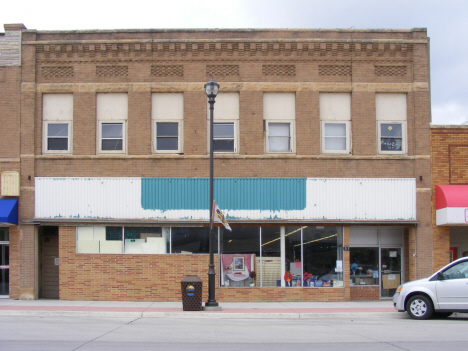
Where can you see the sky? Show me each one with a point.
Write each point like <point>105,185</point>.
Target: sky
<point>446,22</point>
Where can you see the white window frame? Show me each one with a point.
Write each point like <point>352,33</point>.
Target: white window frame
<point>45,137</point>
<point>291,136</point>
<point>403,136</point>
<point>111,108</point>
<point>236,126</point>
<point>56,115</point>
<point>280,108</point>
<point>124,137</point>
<point>167,108</point>
<point>348,137</point>
<point>391,108</point>
<point>224,114</point>
<point>335,108</point>
<point>179,138</point>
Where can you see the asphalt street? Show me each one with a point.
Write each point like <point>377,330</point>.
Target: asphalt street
<point>394,331</point>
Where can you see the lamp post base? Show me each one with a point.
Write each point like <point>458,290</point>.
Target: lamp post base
<point>211,308</point>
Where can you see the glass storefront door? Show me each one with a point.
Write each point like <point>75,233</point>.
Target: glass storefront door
<point>4,269</point>
<point>390,266</point>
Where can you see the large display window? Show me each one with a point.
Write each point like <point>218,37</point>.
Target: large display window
<point>307,256</point>
<point>250,256</point>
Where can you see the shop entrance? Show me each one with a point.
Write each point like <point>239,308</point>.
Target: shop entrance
<point>4,269</point>
<point>390,263</point>
<point>49,253</point>
<point>4,262</point>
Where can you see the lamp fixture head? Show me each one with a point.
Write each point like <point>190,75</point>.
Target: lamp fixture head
<point>211,88</point>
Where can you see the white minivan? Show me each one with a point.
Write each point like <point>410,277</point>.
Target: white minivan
<point>443,293</point>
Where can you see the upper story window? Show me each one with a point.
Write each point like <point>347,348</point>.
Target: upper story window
<point>167,117</point>
<point>335,118</point>
<point>57,116</point>
<point>223,137</point>
<point>225,123</point>
<point>391,123</point>
<point>112,116</point>
<point>279,113</point>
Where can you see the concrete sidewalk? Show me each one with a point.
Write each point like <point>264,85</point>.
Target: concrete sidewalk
<point>354,309</point>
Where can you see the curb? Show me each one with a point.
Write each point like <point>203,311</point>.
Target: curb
<point>201,314</point>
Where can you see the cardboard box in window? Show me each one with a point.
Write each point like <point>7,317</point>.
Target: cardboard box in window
<point>390,281</point>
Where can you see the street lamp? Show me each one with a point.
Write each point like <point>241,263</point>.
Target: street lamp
<point>211,90</point>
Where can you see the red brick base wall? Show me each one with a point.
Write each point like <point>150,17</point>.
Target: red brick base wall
<point>365,293</point>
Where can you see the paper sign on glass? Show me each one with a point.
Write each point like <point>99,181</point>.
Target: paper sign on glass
<point>339,266</point>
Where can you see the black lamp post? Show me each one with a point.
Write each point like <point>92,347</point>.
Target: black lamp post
<point>211,89</point>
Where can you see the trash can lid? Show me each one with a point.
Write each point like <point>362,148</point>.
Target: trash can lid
<point>191,279</point>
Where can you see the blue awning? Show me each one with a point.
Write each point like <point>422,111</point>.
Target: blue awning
<point>9,211</point>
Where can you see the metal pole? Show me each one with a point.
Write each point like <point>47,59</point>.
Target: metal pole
<point>211,271</point>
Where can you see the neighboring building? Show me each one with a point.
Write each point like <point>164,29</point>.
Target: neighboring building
<point>322,163</point>
<point>449,152</point>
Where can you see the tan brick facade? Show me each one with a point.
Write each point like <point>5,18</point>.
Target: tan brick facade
<point>139,63</point>
<point>449,145</point>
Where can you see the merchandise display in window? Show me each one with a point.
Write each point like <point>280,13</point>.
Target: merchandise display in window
<point>364,266</point>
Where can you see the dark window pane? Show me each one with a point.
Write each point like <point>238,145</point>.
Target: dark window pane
<point>4,236</point>
<point>112,144</point>
<point>167,144</point>
<point>223,130</point>
<point>193,240</point>
<point>167,129</point>
<point>223,145</point>
<point>390,144</point>
<point>57,130</point>
<point>390,130</point>
<point>58,144</point>
<point>114,233</point>
<point>364,263</point>
<point>112,130</point>
<point>321,250</point>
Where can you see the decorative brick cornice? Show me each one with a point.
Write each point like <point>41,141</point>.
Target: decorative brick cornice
<point>229,48</point>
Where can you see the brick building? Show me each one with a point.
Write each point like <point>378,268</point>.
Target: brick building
<point>322,163</point>
<point>449,151</point>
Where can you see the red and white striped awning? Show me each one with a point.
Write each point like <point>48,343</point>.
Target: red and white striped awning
<point>451,204</point>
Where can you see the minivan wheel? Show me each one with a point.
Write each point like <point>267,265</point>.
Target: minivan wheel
<point>419,307</point>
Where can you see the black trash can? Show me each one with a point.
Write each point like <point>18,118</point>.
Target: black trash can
<point>191,287</point>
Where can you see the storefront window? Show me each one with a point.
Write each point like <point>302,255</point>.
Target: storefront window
<point>271,257</point>
<point>251,256</point>
<point>293,262</point>
<point>239,249</point>
<point>4,234</point>
<point>141,240</point>
<point>364,264</point>
<point>322,256</point>
<point>193,240</point>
